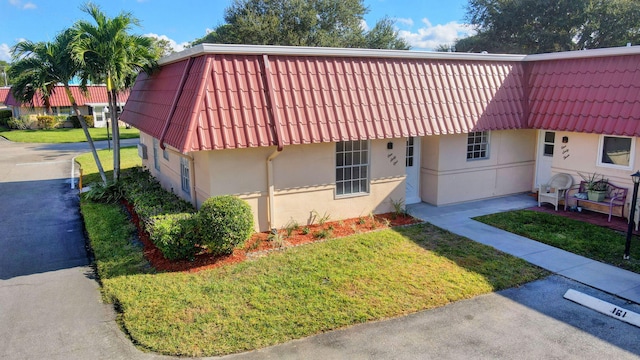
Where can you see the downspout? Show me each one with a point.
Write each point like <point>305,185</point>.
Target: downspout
<point>174,103</point>
<point>268,85</point>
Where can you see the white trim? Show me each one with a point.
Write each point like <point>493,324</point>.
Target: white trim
<point>203,49</point>
<point>581,54</point>
<point>632,152</point>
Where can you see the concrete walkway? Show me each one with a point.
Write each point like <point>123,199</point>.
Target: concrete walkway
<point>457,219</point>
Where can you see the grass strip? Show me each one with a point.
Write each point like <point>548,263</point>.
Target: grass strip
<point>63,135</point>
<point>128,158</point>
<point>294,293</point>
<point>588,240</point>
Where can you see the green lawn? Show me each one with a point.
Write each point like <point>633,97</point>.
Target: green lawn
<point>294,293</point>
<point>128,158</point>
<point>578,237</point>
<point>64,135</point>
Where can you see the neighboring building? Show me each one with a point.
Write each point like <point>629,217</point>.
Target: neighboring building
<point>4,94</point>
<point>94,102</point>
<point>294,130</point>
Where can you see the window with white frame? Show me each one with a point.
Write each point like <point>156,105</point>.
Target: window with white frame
<point>352,167</point>
<point>156,162</point>
<point>478,145</point>
<point>184,175</point>
<point>165,154</point>
<point>616,151</point>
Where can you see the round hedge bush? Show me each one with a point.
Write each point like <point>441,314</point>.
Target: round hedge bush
<point>224,222</point>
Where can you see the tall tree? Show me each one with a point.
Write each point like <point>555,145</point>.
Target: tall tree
<point>109,54</point>
<point>321,23</point>
<point>538,26</point>
<point>39,68</point>
<point>5,80</point>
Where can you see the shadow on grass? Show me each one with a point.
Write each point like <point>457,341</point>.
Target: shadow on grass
<point>544,296</point>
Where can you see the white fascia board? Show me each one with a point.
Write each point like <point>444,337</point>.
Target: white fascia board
<point>582,54</point>
<point>203,49</point>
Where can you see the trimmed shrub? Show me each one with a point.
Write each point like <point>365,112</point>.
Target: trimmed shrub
<point>76,123</point>
<point>175,235</point>
<point>46,121</point>
<point>111,193</point>
<point>18,123</point>
<point>5,115</point>
<point>225,222</point>
<point>148,198</point>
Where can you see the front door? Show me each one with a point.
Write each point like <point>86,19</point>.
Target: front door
<point>546,148</point>
<point>412,165</point>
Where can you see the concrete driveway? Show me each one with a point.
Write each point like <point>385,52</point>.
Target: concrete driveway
<point>50,305</point>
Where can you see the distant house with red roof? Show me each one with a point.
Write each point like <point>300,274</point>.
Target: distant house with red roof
<point>94,102</point>
<point>348,132</point>
<point>4,94</point>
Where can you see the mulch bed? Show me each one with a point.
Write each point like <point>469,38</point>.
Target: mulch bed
<point>262,243</point>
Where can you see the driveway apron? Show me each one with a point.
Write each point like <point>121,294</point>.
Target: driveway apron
<point>50,305</point>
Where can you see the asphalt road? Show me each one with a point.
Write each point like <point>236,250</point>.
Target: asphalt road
<point>50,306</point>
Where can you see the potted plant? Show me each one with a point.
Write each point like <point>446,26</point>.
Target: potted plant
<point>596,186</point>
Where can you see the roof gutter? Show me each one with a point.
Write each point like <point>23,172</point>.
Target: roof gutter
<point>268,86</point>
<point>174,103</point>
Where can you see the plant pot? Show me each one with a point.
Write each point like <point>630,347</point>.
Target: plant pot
<point>594,195</point>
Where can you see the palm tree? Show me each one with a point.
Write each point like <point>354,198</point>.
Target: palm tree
<point>109,54</point>
<point>39,68</point>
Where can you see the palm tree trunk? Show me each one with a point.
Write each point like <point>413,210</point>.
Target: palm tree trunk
<point>115,130</point>
<point>83,124</point>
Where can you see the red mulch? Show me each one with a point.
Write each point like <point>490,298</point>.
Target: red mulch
<point>259,242</point>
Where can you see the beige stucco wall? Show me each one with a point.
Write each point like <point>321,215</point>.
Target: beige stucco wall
<point>169,173</point>
<point>304,180</point>
<point>447,177</point>
<point>580,154</point>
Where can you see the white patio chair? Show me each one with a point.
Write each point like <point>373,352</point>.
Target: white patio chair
<point>555,189</point>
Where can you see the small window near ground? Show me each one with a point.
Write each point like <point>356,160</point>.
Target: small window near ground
<point>478,145</point>
<point>184,175</point>
<point>156,162</point>
<point>616,151</point>
<point>352,167</point>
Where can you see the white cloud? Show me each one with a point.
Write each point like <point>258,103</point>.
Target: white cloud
<point>364,26</point>
<point>405,21</point>
<point>5,52</point>
<point>430,36</point>
<point>174,45</point>
<point>25,6</point>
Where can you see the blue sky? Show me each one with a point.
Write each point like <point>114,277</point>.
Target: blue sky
<point>423,23</point>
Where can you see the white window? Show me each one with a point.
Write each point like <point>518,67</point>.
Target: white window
<point>409,156</point>
<point>156,162</point>
<point>478,145</point>
<point>616,151</point>
<point>549,143</point>
<point>184,175</point>
<point>165,154</point>
<point>352,167</point>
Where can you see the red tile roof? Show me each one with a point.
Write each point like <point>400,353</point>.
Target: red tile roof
<point>594,95</point>
<point>239,100</point>
<point>226,96</point>
<point>95,94</point>
<point>4,93</point>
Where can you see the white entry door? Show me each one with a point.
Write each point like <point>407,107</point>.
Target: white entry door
<point>412,165</point>
<point>546,148</point>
